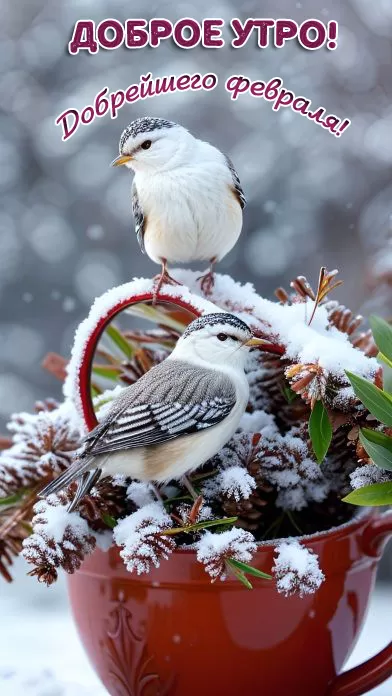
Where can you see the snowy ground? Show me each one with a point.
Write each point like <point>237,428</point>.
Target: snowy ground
<point>40,654</point>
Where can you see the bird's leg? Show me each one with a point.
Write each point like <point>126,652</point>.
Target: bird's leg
<point>186,482</point>
<point>156,492</point>
<point>207,280</point>
<point>161,278</point>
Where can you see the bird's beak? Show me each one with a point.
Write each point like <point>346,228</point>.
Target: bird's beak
<point>256,342</point>
<point>120,160</point>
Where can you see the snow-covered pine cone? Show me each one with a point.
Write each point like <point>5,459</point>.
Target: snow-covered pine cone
<point>106,499</point>
<point>349,323</point>
<point>43,446</point>
<point>296,569</point>
<point>251,512</point>
<point>141,538</point>
<point>214,550</point>
<point>60,539</point>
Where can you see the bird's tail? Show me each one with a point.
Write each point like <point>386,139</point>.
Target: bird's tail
<point>78,471</point>
<point>85,484</point>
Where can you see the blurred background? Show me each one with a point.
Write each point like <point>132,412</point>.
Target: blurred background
<point>66,232</point>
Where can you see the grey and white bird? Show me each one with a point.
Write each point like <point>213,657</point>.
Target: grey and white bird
<point>176,416</point>
<point>187,199</point>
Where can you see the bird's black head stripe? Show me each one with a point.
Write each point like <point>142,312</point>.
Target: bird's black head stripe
<point>216,318</point>
<point>144,125</point>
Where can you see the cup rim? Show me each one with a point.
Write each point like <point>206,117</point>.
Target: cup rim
<point>361,515</point>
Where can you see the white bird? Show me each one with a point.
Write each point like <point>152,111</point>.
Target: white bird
<point>175,417</point>
<point>187,198</point>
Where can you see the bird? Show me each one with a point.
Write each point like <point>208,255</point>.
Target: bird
<point>176,416</point>
<point>187,199</point>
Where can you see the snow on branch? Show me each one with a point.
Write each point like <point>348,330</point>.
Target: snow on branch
<point>140,535</point>
<point>60,539</point>
<point>44,444</point>
<point>213,550</point>
<point>296,569</point>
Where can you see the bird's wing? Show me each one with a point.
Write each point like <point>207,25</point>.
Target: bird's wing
<point>236,183</point>
<point>172,399</point>
<point>140,220</point>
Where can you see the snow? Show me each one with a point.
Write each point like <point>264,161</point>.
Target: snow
<point>236,482</point>
<point>296,569</point>
<point>103,402</point>
<point>318,343</point>
<point>139,535</point>
<point>48,626</point>
<point>54,519</point>
<point>101,309</point>
<point>367,475</point>
<point>140,493</point>
<point>257,422</point>
<point>286,465</point>
<point>212,549</point>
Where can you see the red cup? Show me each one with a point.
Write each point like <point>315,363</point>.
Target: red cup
<point>173,633</point>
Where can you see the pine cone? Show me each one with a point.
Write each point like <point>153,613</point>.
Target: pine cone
<point>46,405</point>
<point>215,550</point>
<point>43,445</point>
<point>59,540</point>
<point>105,499</point>
<point>250,512</point>
<point>267,381</point>
<point>142,361</point>
<point>140,535</point>
<point>243,451</point>
<point>296,569</point>
<point>10,547</point>
<point>347,322</point>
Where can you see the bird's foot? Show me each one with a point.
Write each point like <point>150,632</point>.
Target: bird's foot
<point>207,282</point>
<point>162,278</point>
<point>188,485</point>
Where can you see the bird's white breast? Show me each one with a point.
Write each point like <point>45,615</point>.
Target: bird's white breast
<point>176,457</point>
<point>191,211</point>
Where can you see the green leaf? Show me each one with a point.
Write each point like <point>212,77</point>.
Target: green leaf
<point>379,403</point>
<point>198,526</point>
<point>377,437</point>
<point>249,569</point>
<point>109,520</point>
<point>118,339</point>
<point>94,391</point>
<point>378,446</point>
<point>107,372</point>
<point>320,430</point>
<point>384,359</point>
<point>156,315</point>
<point>12,499</point>
<point>288,393</point>
<point>374,495</point>
<point>382,333</point>
<point>238,574</point>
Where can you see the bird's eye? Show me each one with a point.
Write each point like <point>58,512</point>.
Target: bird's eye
<point>222,337</point>
<point>146,145</point>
